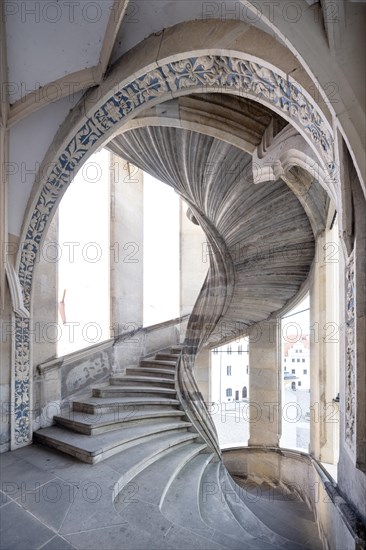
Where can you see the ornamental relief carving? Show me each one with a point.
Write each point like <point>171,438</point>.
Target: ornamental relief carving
<point>350,389</point>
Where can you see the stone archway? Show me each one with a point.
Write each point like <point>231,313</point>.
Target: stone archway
<point>85,132</point>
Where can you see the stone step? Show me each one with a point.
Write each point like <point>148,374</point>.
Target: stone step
<point>136,458</point>
<point>176,349</point>
<point>99,447</point>
<point>141,380</point>
<point>265,493</point>
<point>154,480</point>
<point>151,363</point>
<point>167,356</point>
<point>95,424</point>
<point>133,391</point>
<point>248,517</point>
<point>218,517</point>
<point>151,372</point>
<point>102,405</point>
<point>288,519</point>
<point>186,488</point>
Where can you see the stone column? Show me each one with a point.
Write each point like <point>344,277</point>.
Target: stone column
<point>126,283</point>
<point>264,385</point>
<point>193,267</point>
<point>46,330</point>
<point>202,374</point>
<point>324,346</point>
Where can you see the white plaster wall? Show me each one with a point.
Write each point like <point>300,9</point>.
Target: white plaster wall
<point>145,17</point>
<point>46,40</point>
<point>29,141</point>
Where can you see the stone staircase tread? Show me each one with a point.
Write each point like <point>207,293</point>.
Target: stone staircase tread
<point>158,362</point>
<point>99,443</point>
<point>148,450</point>
<point>185,487</point>
<point>153,372</point>
<point>146,379</point>
<point>266,521</point>
<point>217,514</point>
<point>110,418</point>
<point>154,481</point>
<point>163,356</point>
<point>124,389</point>
<point>285,523</point>
<point>135,401</point>
<point>295,509</point>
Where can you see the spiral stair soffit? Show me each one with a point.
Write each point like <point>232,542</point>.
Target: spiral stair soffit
<point>264,230</point>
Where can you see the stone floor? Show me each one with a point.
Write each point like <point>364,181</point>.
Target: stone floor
<point>51,501</point>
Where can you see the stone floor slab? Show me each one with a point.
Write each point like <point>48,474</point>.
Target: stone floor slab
<point>21,477</point>
<point>19,530</point>
<point>50,503</point>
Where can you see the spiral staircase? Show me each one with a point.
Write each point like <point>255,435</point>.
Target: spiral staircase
<point>152,424</point>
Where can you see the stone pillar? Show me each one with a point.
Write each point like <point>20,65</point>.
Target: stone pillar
<point>126,283</point>
<point>193,268</point>
<point>324,348</point>
<point>352,459</point>
<point>46,330</point>
<point>7,327</point>
<point>318,378</point>
<point>202,374</point>
<point>265,385</point>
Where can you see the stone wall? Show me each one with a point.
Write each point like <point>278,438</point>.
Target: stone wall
<point>298,472</point>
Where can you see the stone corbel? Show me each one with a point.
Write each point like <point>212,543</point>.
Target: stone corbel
<point>287,156</point>
<point>277,154</point>
<point>16,292</point>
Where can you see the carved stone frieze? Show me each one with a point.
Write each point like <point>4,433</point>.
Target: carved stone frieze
<point>350,389</point>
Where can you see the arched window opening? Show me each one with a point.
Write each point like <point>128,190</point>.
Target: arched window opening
<point>229,392</point>
<point>244,392</point>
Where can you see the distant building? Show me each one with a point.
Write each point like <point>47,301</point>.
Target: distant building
<point>230,372</point>
<point>296,364</point>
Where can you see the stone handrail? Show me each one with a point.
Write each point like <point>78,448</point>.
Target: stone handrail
<point>210,307</point>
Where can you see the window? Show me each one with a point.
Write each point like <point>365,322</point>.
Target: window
<point>228,370</point>
<point>303,360</point>
<point>298,360</point>
<point>247,369</point>
<point>305,371</point>
<point>215,351</point>
<point>229,392</point>
<point>240,350</point>
<point>293,371</point>
<point>293,385</point>
<point>293,360</point>
<point>285,359</point>
<point>228,350</point>
<point>244,392</point>
<point>299,383</point>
